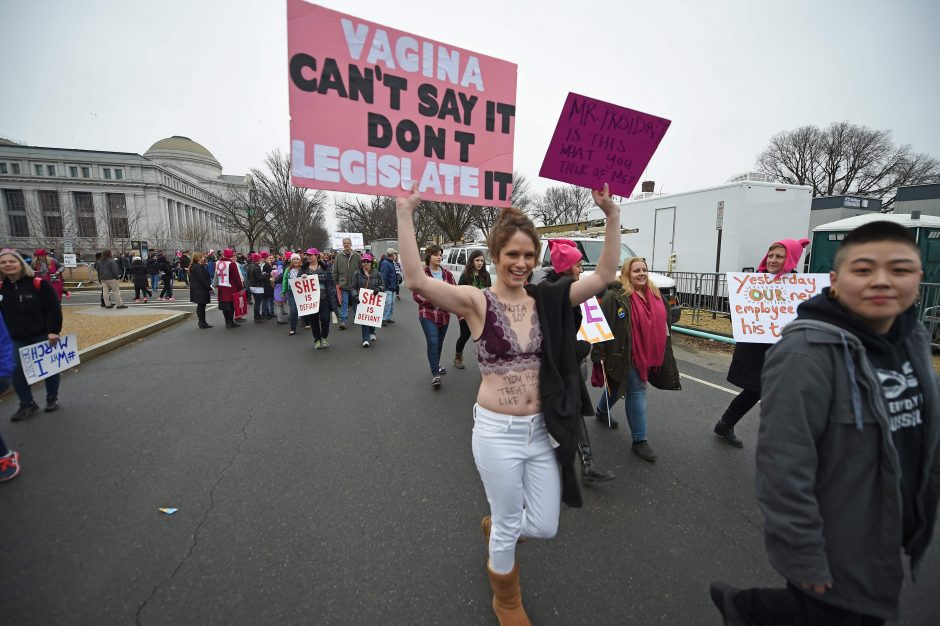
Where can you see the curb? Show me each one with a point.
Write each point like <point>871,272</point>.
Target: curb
<point>114,343</point>
<point>122,340</point>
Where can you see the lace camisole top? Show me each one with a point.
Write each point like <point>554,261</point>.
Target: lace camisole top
<point>498,349</point>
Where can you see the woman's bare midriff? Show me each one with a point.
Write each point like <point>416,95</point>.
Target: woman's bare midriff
<point>515,392</point>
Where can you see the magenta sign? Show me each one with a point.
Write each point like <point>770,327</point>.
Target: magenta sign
<point>596,142</point>
<point>373,109</point>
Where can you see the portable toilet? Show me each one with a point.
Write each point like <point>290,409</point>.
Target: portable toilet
<point>926,231</point>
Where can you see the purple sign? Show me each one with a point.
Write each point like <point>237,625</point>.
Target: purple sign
<point>597,142</point>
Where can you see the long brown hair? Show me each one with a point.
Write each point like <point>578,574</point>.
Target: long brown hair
<point>483,274</point>
<point>510,221</point>
<point>627,287</point>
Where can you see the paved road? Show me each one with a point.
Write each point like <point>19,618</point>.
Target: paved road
<point>337,488</point>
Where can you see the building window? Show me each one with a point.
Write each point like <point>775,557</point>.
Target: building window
<point>73,171</point>
<point>3,168</point>
<point>51,213</point>
<point>16,212</point>
<point>85,214</point>
<point>117,215</point>
<point>50,169</point>
<point>119,174</point>
<point>107,172</point>
<point>38,170</point>
<point>86,172</point>
<point>15,168</point>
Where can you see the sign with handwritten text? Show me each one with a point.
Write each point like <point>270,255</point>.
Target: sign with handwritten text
<point>594,326</point>
<point>40,360</point>
<point>597,142</point>
<point>306,289</point>
<point>762,304</point>
<point>373,108</point>
<point>371,307</point>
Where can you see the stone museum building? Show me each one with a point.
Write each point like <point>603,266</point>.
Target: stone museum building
<point>88,200</point>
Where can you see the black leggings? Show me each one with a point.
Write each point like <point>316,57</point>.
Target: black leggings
<point>743,403</point>
<point>201,313</point>
<point>257,306</point>
<point>464,336</point>
<point>139,290</point>
<point>320,323</point>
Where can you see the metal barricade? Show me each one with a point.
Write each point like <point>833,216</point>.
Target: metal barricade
<point>928,310</point>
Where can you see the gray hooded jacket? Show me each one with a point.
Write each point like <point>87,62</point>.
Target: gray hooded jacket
<point>828,471</point>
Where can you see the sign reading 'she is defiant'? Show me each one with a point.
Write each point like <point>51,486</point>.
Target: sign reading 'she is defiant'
<point>374,108</point>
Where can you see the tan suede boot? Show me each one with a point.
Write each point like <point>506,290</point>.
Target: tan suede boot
<point>507,598</point>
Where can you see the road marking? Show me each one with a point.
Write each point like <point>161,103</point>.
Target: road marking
<point>705,382</point>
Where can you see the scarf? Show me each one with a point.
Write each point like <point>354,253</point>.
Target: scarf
<point>648,329</point>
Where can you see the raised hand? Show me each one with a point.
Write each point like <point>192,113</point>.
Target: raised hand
<point>603,199</point>
<point>410,202</point>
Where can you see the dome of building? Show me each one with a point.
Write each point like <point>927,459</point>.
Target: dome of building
<point>185,151</point>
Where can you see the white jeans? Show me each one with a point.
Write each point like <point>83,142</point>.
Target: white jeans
<point>521,477</point>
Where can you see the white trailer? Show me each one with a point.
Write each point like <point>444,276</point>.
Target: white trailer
<point>747,216</point>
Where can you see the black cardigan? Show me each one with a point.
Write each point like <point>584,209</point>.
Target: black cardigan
<point>563,395</point>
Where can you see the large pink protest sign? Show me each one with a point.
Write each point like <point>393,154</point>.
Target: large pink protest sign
<point>374,108</point>
<point>597,142</point>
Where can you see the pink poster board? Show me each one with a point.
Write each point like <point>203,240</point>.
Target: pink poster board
<point>596,142</point>
<point>373,108</point>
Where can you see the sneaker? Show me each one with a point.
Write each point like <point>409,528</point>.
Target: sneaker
<point>365,344</point>
<point>371,336</point>
<point>342,325</point>
<point>389,321</point>
<point>607,420</point>
<point>317,344</point>
<point>122,306</point>
<point>324,344</point>
<point>436,382</point>
<point>293,332</point>
<point>145,300</point>
<point>109,306</point>
<point>25,411</point>
<point>136,300</point>
<point>441,371</point>
<point>384,323</point>
<point>643,450</point>
<point>52,404</point>
<point>9,465</point>
<point>172,298</point>
<point>723,595</point>
<point>727,433</point>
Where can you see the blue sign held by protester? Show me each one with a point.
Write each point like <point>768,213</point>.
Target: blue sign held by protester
<point>41,360</point>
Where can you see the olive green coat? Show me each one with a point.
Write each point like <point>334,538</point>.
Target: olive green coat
<point>616,353</point>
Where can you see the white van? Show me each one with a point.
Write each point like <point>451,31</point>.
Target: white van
<point>455,258</point>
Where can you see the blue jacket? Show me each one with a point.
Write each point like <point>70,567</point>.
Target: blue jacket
<point>389,276</point>
<point>7,356</point>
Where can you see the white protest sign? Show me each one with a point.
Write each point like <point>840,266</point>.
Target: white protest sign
<point>68,260</point>
<point>222,273</point>
<point>371,307</point>
<point>594,326</point>
<point>355,238</point>
<point>41,360</point>
<point>306,290</point>
<point>762,304</point>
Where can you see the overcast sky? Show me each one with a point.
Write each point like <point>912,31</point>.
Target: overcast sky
<point>122,74</point>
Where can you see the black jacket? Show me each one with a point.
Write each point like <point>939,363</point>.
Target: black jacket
<point>563,397</point>
<point>153,266</point>
<point>27,312</point>
<point>139,270</point>
<point>199,284</point>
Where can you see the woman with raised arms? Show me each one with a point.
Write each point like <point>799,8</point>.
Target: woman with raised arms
<point>530,400</point>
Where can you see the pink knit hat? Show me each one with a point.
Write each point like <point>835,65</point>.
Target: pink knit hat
<point>255,257</point>
<point>564,253</point>
<point>228,253</point>
<point>794,248</point>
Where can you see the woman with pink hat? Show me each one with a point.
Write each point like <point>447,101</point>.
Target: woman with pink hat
<point>228,280</point>
<point>748,361</point>
<point>320,321</point>
<point>366,278</point>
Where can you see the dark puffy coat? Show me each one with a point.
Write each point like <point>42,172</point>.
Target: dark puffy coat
<point>199,284</point>
<point>139,270</point>
<point>28,312</point>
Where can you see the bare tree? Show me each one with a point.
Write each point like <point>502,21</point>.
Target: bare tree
<point>159,237</point>
<point>293,215</point>
<point>239,215</point>
<point>373,216</point>
<point>846,159</point>
<point>562,204</point>
<point>196,236</point>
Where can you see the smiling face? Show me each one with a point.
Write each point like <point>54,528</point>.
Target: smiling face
<point>10,266</point>
<point>347,245</point>
<point>516,260</point>
<point>878,281</point>
<point>639,277</point>
<point>776,258</point>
